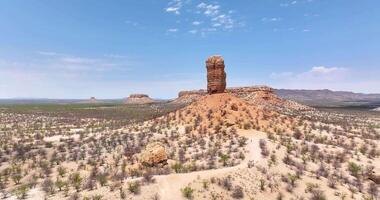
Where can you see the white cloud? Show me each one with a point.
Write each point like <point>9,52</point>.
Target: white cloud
<point>172,30</point>
<point>48,53</point>
<point>57,75</point>
<point>325,70</point>
<point>223,20</point>
<point>131,23</point>
<point>210,17</point>
<point>322,77</point>
<point>319,73</point>
<point>209,9</point>
<point>175,6</point>
<point>272,19</point>
<point>196,23</point>
<point>281,75</point>
<point>295,2</point>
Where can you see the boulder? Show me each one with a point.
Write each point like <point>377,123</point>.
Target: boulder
<point>153,155</point>
<point>216,76</point>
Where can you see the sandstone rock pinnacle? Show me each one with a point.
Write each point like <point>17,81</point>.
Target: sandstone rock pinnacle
<point>216,76</point>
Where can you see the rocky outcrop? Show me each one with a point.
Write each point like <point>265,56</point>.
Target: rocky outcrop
<point>216,76</point>
<point>186,97</point>
<point>261,96</point>
<point>193,92</point>
<point>153,155</point>
<point>138,99</point>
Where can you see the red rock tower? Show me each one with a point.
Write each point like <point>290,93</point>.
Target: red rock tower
<point>216,76</point>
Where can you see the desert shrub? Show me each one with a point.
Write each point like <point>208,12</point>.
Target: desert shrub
<point>354,169</point>
<point>226,183</point>
<point>318,195</point>
<point>76,180</point>
<point>61,171</point>
<point>122,193</point>
<point>48,186</point>
<point>21,191</point>
<point>238,192</point>
<point>373,190</point>
<point>60,184</point>
<point>148,176</point>
<point>134,187</point>
<point>97,197</point>
<point>280,196</point>
<point>102,178</point>
<point>262,184</point>
<point>187,192</point>
<point>75,196</point>
<point>224,158</point>
<point>177,167</point>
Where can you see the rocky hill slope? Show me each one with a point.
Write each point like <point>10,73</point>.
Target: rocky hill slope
<point>211,113</point>
<point>260,96</point>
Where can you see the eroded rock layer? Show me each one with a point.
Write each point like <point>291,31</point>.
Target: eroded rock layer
<point>216,76</point>
<point>261,96</point>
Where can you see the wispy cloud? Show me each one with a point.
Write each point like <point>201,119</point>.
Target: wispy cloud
<point>196,23</point>
<point>323,77</point>
<point>52,74</point>
<point>315,73</point>
<point>294,2</point>
<point>193,31</point>
<point>271,19</point>
<point>172,30</point>
<point>133,23</point>
<point>218,18</point>
<point>205,17</point>
<point>174,6</point>
<point>209,9</point>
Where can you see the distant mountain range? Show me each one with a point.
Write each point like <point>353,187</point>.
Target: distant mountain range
<point>319,98</point>
<point>330,98</point>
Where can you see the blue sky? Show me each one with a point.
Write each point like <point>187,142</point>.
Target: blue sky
<point>111,48</point>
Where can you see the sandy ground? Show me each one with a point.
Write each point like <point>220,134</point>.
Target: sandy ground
<point>170,185</point>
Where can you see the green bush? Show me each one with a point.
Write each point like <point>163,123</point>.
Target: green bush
<point>187,192</point>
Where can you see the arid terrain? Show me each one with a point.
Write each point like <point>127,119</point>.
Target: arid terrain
<point>220,147</point>
<point>219,143</point>
<point>189,100</point>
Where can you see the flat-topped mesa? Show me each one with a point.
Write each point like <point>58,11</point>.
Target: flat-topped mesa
<point>231,90</point>
<point>138,96</point>
<point>192,92</point>
<point>216,76</point>
<point>259,88</point>
<point>138,99</point>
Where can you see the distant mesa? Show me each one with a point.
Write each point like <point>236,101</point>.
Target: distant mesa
<point>216,76</point>
<point>138,99</point>
<point>92,100</point>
